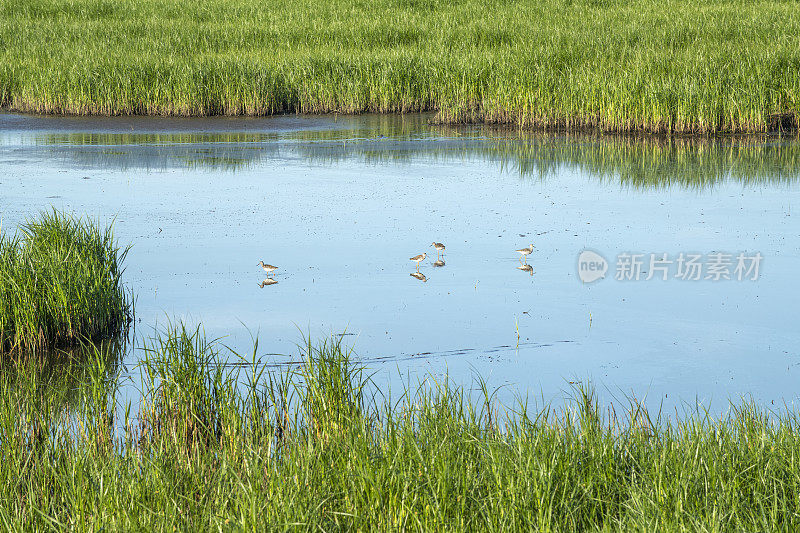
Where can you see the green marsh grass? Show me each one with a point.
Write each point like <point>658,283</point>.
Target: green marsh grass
<point>656,66</point>
<point>60,284</point>
<point>244,446</point>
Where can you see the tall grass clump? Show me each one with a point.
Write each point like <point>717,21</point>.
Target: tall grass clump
<point>60,284</point>
<point>223,442</point>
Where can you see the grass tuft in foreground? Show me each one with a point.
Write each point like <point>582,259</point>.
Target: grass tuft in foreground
<point>60,284</point>
<point>216,445</point>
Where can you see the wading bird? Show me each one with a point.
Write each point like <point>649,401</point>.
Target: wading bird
<point>418,259</point>
<point>439,248</point>
<point>524,252</point>
<point>267,268</point>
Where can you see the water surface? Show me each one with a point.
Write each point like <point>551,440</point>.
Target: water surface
<point>340,204</point>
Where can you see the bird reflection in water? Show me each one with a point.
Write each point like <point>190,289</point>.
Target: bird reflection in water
<point>526,268</point>
<point>419,275</point>
<point>438,263</point>
<point>268,281</point>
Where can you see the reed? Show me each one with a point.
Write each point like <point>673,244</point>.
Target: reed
<point>60,284</point>
<point>652,66</point>
<point>222,441</point>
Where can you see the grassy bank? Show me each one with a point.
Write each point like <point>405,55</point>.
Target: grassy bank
<point>60,284</point>
<point>213,447</point>
<point>675,66</point>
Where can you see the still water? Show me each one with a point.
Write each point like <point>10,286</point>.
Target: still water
<point>340,204</point>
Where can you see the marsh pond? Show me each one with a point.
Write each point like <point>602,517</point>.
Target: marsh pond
<point>663,268</point>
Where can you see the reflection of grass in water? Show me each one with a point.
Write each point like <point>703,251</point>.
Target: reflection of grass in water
<point>221,151</point>
<point>688,162</point>
<point>655,163</point>
<point>158,139</point>
<point>60,284</point>
<point>62,378</point>
<point>642,162</point>
<point>318,446</point>
<point>224,151</point>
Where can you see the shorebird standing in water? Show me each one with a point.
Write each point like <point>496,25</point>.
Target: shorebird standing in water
<point>439,248</point>
<point>268,281</point>
<point>418,259</point>
<point>267,268</point>
<point>524,252</point>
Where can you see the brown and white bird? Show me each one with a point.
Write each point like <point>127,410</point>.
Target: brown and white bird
<point>439,248</point>
<point>268,281</point>
<point>418,259</point>
<point>267,268</point>
<point>525,252</point>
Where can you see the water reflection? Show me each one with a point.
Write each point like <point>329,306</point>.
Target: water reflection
<point>526,268</point>
<point>163,151</point>
<point>358,223</point>
<point>268,281</point>
<point>639,162</point>
<point>419,275</point>
<point>60,378</point>
<point>438,263</point>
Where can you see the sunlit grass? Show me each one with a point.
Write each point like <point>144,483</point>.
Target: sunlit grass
<point>319,447</point>
<point>674,66</point>
<point>60,284</point>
